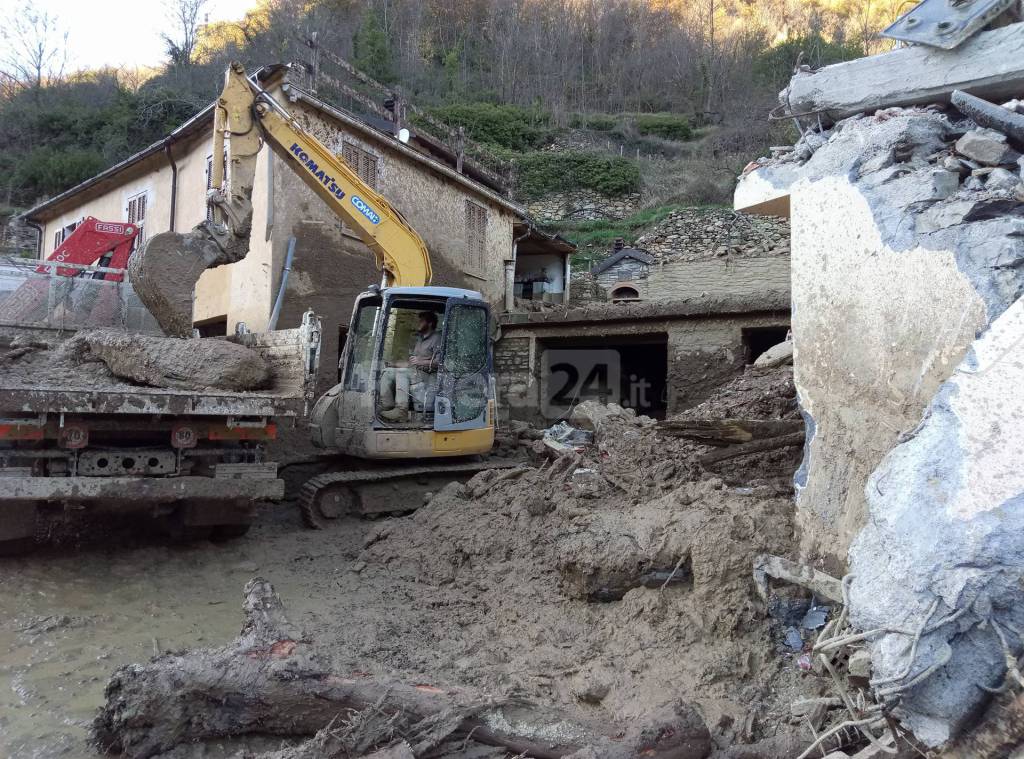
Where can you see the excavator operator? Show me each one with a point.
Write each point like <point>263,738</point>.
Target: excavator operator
<point>398,383</point>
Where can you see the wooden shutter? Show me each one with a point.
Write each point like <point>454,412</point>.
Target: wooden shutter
<point>361,161</point>
<point>476,235</point>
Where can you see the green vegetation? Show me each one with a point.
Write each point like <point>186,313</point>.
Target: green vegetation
<point>371,49</point>
<point>668,126</point>
<point>603,232</point>
<point>543,173</point>
<point>504,126</point>
<point>53,138</point>
<point>774,65</point>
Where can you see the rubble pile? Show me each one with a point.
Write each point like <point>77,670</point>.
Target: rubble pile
<point>613,575</point>
<point>908,239</point>
<point>694,234</point>
<point>617,578</point>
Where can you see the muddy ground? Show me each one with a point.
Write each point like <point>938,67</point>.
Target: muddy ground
<point>610,586</point>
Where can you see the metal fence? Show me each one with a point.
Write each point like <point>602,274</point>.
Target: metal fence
<point>33,294</point>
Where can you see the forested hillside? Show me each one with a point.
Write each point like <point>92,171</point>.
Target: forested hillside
<point>650,74</point>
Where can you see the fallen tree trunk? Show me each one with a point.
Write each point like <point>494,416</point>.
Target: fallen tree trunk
<point>756,446</point>
<point>729,431</point>
<point>272,680</point>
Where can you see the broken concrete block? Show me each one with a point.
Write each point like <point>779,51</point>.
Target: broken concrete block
<point>987,146</point>
<point>590,415</point>
<point>777,355</point>
<point>860,664</point>
<point>194,364</point>
<point>1001,179</point>
<point>881,161</point>
<point>943,550</point>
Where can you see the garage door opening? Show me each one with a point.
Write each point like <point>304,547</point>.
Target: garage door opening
<point>629,370</point>
<point>756,340</point>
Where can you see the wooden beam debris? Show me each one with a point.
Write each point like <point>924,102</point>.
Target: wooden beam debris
<point>821,584</point>
<point>729,431</point>
<point>990,65</point>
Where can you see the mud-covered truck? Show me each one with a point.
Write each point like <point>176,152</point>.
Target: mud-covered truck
<point>71,439</point>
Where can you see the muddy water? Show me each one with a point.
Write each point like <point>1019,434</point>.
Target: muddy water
<point>70,615</point>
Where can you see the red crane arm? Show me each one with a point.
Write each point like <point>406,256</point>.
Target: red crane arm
<point>91,241</point>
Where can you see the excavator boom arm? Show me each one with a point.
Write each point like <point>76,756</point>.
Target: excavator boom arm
<point>166,270</point>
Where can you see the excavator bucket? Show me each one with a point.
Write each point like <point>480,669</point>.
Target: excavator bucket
<point>164,273</point>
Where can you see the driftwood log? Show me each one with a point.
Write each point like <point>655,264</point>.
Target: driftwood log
<point>273,680</point>
<point>729,431</point>
<point>791,440</point>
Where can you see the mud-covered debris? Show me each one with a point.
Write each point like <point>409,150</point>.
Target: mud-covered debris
<point>171,362</point>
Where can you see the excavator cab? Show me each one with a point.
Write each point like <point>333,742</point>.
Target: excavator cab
<point>416,377</point>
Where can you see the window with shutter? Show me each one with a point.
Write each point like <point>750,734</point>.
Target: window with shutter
<point>476,236</point>
<point>136,213</point>
<point>363,162</point>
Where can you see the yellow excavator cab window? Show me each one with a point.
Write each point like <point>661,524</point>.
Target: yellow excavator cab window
<point>359,368</point>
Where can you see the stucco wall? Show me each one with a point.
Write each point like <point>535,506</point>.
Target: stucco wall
<point>433,204</point>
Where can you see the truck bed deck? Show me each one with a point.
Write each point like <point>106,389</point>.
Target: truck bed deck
<point>31,385</point>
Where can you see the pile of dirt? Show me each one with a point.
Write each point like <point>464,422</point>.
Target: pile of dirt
<point>755,394</point>
<point>617,580</point>
<point>108,359</point>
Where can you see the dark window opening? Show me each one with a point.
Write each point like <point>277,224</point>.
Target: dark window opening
<point>629,370</point>
<point>625,292</point>
<point>216,327</point>
<point>756,340</point>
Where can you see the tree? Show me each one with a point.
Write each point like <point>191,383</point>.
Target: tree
<point>36,50</point>
<point>371,48</point>
<point>184,15</point>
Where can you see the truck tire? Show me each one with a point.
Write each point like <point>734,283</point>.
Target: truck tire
<point>17,528</point>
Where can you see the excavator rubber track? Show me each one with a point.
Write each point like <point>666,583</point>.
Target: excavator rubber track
<point>329,496</point>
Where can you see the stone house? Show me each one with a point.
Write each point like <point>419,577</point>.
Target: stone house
<point>472,229</point>
<point>656,327</point>
<point>658,357</point>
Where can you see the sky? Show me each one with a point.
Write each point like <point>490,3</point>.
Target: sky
<point>118,32</point>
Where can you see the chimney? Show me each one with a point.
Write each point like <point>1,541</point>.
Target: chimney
<point>619,244</point>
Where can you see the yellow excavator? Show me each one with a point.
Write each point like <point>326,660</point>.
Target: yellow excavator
<point>441,406</point>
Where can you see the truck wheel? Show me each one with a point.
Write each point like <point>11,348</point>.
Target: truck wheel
<point>225,532</point>
<point>17,528</point>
